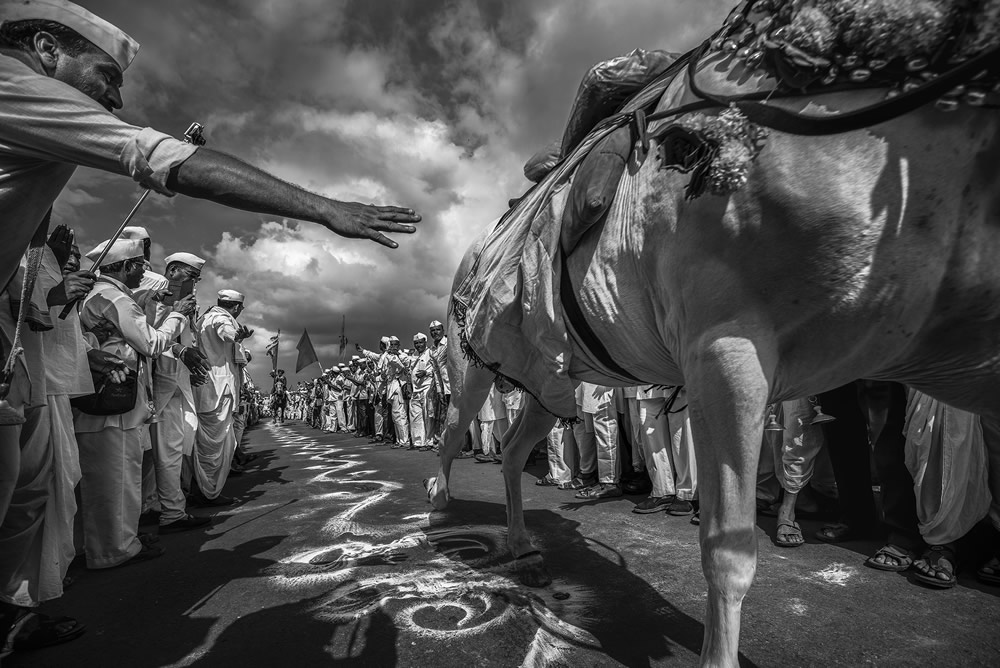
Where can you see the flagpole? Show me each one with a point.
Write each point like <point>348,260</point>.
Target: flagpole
<point>274,360</point>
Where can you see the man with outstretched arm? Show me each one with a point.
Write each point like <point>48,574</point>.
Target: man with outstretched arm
<point>61,68</point>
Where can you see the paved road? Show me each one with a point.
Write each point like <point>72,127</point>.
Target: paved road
<point>333,557</point>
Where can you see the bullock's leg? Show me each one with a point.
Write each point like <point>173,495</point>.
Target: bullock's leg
<point>531,425</point>
<point>727,400</point>
<point>470,386</point>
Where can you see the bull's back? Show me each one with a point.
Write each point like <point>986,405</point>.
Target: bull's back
<point>863,254</point>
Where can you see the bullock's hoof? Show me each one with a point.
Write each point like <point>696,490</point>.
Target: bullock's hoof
<point>438,498</point>
<point>531,570</point>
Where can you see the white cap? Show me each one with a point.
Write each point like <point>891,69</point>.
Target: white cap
<point>355,358</point>
<point>123,249</point>
<point>344,367</point>
<point>385,340</point>
<point>436,323</point>
<point>393,339</point>
<point>108,38</point>
<point>135,232</point>
<point>419,336</point>
<point>231,296</point>
<point>190,259</point>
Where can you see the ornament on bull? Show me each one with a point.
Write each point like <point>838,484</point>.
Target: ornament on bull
<point>773,425</point>
<point>821,417</point>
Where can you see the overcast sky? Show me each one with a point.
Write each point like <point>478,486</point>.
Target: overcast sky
<point>430,104</point>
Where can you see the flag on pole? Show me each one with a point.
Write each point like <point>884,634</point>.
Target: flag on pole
<point>343,340</point>
<point>272,350</point>
<point>272,347</point>
<point>307,354</point>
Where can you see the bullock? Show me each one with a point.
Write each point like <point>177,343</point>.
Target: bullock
<point>859,241</point>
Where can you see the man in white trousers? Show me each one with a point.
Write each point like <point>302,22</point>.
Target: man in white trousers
<point>173,400</point>
<point>216,400</point>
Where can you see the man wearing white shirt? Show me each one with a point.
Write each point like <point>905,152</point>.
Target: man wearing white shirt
<point>173,399</point>
<point>111,445</point>
<point>216,400</point>
<point>421,377</point>
<point>397,369</point>
<point>381,381</point>
<point>442,385</point>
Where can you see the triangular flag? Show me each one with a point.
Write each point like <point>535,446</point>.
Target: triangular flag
<point>307,354</point>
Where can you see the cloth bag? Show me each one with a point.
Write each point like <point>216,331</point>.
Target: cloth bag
<point>110,398</point>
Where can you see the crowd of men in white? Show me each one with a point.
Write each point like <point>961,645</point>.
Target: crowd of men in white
<point>929,459</point>
<point>174,442</point>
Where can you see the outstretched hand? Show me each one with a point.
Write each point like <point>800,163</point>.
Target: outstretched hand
<point>367,221</point>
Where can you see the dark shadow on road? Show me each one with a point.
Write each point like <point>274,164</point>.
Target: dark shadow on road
<point>633,623</point>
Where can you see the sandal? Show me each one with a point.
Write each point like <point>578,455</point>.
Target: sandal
<point>989,572</point>
<point>838,532</point>
<point>791,529</point>
<point>902,556</point>
<point>930,566</point>
<point>546,481</point>
<point>34,630</point>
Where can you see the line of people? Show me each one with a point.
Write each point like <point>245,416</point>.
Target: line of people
<point>131,404</point>
<point>394,397</point>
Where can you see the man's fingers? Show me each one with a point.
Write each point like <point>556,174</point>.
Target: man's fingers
<point>398,213</point>
<point>379,238</point>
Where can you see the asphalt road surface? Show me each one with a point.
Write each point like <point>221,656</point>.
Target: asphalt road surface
<point>332,557</point>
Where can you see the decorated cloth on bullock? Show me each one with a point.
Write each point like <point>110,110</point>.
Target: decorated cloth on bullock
<point>509,306</point>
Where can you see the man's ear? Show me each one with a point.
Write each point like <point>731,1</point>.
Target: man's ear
<point>47,49</point>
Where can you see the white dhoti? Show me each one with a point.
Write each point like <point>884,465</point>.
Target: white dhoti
<point>682,453</point>
<point>26,487</point>
<point>946,455</point>
<point>341,416</point>
<point>239,425</point>
<point>596,435</point>
<point>635,437</point>
<point>350,406</point>
<point>656,445</point>
<point>418,418</point>
<point>110,493</point>
<point>215,444</point>
<point>560,450</point>
<point>380,418</point>
<point>58,548</point>
<point>175,434</point>
<point>399,418</point>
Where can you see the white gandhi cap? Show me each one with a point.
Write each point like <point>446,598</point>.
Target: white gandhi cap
<point>190,259</point>
<point>105,36</point>
<point>122,249</point>
<point>231,296</point>
<point>135,232</point>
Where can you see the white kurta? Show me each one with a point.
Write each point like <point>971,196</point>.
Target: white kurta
<point>111,446</point>
<point>67,375</point>
<point>215,401</point>
<point>176,423</point>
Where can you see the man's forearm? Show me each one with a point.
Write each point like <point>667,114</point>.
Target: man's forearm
<point>227,180</point>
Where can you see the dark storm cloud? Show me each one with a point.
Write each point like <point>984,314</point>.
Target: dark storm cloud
<point>432,104</point>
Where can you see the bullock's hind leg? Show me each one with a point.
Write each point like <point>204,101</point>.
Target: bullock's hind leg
<point>470,386</point>
<point>727,398</point>
<point>530,426</point>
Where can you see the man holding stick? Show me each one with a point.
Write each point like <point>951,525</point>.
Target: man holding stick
<point>61,68</point>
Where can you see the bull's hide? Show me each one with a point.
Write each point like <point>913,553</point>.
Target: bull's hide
<point>509,303</point>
